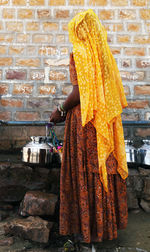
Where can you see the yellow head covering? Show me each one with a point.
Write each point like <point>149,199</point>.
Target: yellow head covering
<point>101,91</point>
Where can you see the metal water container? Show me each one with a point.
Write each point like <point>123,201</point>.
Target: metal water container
<point>38,151</point>
<point>144,153</point>
<point>138,154</point>
<point>130,151</point>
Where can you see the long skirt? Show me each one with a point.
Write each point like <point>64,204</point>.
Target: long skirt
<point>85,207</point>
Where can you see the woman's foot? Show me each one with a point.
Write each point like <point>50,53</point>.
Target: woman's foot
<point>93,248</point>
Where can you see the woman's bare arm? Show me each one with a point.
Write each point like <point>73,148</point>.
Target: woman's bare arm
<point>72,100</point>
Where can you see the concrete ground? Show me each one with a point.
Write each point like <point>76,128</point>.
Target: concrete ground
<point>135,238</point>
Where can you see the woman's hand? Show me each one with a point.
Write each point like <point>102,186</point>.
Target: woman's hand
<point>72,100</point>
<point>56,117</point>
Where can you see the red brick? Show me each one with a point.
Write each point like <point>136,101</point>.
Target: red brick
<point>57,2</point>
<point>16,74</point>
<point>130,117</point>
<point>57,63</point>
<point>25,13</point>
<point>142,39</point>
<point>133,27</point>
<point>48,50</point>
<point>5,61</point>
<point>8,13</point>
<point>3,89</point>
<point>23,38</point>
<point>2,49</point>
<point>37,75</point>
<point>118,27</point>
<point>143,63</point>
<point>139,2</point>
<point>22,89</point>
<point>127,14</point>
<point>50,26</point>
<point>11,103</point>
<point>138,104</point>
<point>98,2</point>
<point>8,38</point>
<point>62,14</point>
<point>6,116</point>
<point>16,50</point>
<point>27,116</point>
<point>134,51</point>
<point>43,14</point>
<point>58,75</point>
<point>14,26</point>
<point>42,38</point>
<point>47,89</point>
<point>143,132</point>
<point>32,26</point>
<point>76,2</point>
<point>119,2</point>
<point>36,2</point>
<point>28,62</point>
<point>2,2</point>
<point>60,38</point>
<point>142,90</point>
<point>106,14</point>
<point>132,76</point>
<point>126,62</point>
<point>123,38</point>
<point>19,2</point>
<point>145,14</point>
<point>115,50</point>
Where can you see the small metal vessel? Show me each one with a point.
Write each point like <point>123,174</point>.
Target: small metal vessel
<point>38,151</point>
<point>138,154</point>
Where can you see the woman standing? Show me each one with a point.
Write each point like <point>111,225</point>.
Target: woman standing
<point>93,200</point>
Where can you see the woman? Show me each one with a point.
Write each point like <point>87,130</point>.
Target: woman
<point>93,200</point>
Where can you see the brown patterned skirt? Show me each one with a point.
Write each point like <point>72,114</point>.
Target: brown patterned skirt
<point>85,208</point>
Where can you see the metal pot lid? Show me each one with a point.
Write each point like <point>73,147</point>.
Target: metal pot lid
<point>38,142</point>
<point>38,139</point>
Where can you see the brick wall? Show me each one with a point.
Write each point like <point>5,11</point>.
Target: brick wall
<point>34,54</point>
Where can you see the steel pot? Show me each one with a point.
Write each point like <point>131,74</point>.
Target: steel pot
<point>139,155</point>
<point>38,151</point>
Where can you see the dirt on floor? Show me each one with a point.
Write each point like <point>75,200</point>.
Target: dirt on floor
<point>135,238</point>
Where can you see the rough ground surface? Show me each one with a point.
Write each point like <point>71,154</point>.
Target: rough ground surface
<point>135,238</point>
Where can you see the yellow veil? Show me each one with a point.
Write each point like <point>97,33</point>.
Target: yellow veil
<point>101,91</point>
